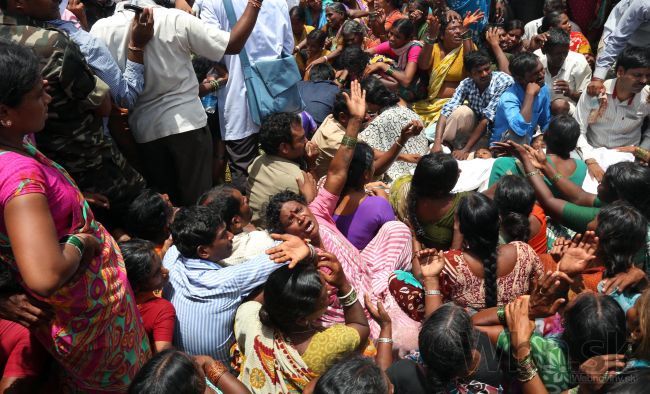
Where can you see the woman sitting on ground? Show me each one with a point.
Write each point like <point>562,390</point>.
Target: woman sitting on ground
<point>512,43</point>
<point>388,120</point>
<point>368,270</point>
<point>425,201</point>
<point>404,52</point>
<point>481,274</point>
<point>285,328</point>
<point>445,45</point>
<point>521,218</point>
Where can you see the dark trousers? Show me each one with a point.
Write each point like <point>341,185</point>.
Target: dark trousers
<point>241,154</point>
<point>179,165</point>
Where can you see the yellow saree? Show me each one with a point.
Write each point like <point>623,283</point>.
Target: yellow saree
<point>429,109</point>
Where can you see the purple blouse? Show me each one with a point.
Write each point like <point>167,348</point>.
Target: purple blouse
<point>362,226</point>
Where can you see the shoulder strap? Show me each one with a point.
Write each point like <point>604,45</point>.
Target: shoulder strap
<point>232,19</point>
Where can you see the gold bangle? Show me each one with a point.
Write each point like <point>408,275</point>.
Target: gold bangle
<point>533,173</point>
<point>215,371</point>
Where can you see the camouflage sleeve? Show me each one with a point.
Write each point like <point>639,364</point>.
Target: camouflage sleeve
<point>66,67</point>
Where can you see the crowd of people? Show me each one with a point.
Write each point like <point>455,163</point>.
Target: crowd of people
<point>365,196</point>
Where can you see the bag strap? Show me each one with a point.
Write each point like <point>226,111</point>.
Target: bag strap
<point>232,19</point>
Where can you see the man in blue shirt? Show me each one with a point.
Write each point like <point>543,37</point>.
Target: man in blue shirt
<point>462,126</point>
<point>525,105</point>
<point>204,293</point>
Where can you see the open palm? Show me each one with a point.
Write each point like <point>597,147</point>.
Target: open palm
<point>580,252</point>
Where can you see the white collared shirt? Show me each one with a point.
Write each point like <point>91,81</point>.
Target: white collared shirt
<point>271,36</point>
<point>619,126</point>
<point>170,101</point>
<point>575,71</point>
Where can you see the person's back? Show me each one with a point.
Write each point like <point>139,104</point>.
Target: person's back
<point>169,103</point>
<point>271,36</point>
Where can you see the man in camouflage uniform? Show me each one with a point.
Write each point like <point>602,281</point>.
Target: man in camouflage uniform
<point>73,134</point>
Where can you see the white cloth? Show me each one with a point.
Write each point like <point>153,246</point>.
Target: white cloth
<point>247,245</point>
<point>530,29</point>
<point>271,36</point>
<point>605,158</point>
<point>620,125</point>
<point>575,71</point>
<point>474,175</point>
<point>169,103</point>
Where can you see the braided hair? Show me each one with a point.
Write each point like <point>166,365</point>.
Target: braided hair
<point>434,177</point>
<point>479,224</point>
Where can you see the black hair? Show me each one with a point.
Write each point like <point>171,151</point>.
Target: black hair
<point>275,130</point>
<point>423,6</point>
<point>446,342</point>
<point>557,38</point>
<point>629,181</point>
<point>221,199</point>
<point>633,57</point>
<point>337,7</point>
<point>621,232</point>
<point>321,72</point>
<point>170,371</point>
<point>404,27</point>
<point>138,255</point>
<point>354,59</point>
<point>550,20</point>
<point>362,161</point>
<point>562,135</point>
<point>340,106</point>
<point>515,199</point>
<point>479,223</point>
<point>435,176</point>
<point>195,226</point>
<point>147,217</point>
<point>19,72</point>
<point>475,59</point>
<point>290,294</point>
<point>298,12</point>
<point>274,206</point>
<point>554,5</point>
<point>514,24</point>
<point>629,381</point>
<point>522,63</point>
<point>317,35</point>
<point>593,325</point>
<point>351,26</point>
<point>377,93</point>
<point>201,66</point>
<point>8,283</point>
<point>352,375</point>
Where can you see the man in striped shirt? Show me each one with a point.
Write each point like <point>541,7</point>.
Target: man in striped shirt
<point>205,294</point>
<point>615,120</point>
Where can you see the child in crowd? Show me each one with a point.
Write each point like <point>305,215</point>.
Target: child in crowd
<point>149,217</point>
<point>483,153</point>
<point>147,277</point>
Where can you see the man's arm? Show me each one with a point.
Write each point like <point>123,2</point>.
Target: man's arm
<point>637,13</point>
<point>455,102</point>
<point>582,115</point>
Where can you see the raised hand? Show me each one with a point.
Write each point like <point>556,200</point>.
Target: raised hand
<point>307,186</point>
<point>142,28</point>
<point>434,27</point>
<point>378,313</point>
<point>595,87</point>
<point>431,262</point>
<point>492,37</point>
<point>579,253</point>
<point>545,296</point>
<point>559,246</point>
<point>472,18</point>
<point>410,130</point>
<point>633,277</point>
<point>292,250</point>
<point>520,326</point>
<point>356,100</point>
<point>536,157</point>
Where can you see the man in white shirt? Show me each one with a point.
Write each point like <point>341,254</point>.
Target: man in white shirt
<point>270,37</point>
<point>530,29</point>
<point>168,120</point>
<point>618,122</point>
<point>566,73</point>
